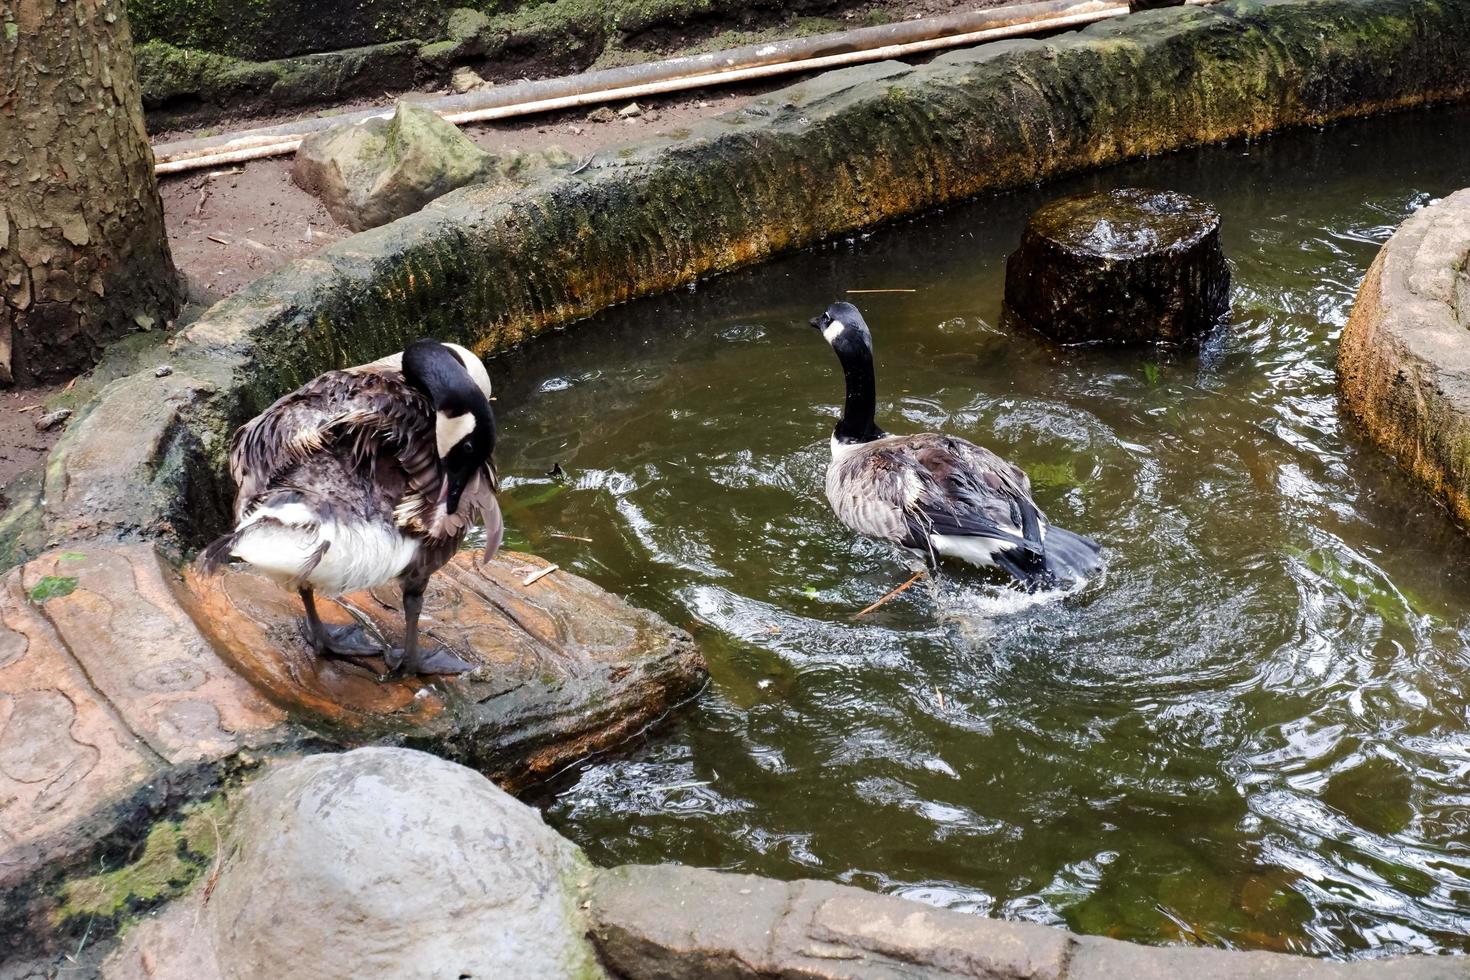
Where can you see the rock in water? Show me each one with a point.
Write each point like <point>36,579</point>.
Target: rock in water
<point>370,173</point>
<point>381,863</point>
<point>1123,266</point>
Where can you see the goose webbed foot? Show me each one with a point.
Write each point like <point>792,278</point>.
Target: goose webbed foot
<point>347,641</point>
<point>350,640</point>
<point>411,659</point>
<point>436,661</point>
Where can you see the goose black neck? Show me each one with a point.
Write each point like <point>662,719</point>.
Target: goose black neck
<point>856,424</point>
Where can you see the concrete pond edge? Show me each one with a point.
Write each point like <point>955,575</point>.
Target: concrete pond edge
<point>1404,359</point>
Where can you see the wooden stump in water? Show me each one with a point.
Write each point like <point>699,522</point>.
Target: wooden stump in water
<point>1121,267</point>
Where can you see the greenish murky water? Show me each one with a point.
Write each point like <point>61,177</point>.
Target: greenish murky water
<point>1253,732</point>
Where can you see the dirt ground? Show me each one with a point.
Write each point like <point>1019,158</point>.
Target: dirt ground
<point>230,226</point>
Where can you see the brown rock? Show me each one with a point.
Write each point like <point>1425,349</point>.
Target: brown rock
<point>602,114</point>
<point>104,684</point>
<point>1404,361</point>
<point>568,669</point>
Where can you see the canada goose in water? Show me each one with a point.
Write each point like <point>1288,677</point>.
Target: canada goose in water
<point>363,476</point>
<point>936,495</point>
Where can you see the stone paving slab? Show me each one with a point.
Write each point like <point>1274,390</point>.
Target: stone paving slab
<point>666,922</point>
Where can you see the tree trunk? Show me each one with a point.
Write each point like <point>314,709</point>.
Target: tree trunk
<point>83,254</point>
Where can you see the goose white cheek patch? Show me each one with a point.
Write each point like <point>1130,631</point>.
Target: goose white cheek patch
<point>450,429</point>
<point>833,330</point>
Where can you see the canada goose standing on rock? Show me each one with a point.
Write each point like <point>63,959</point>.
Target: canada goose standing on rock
<point>936,495</point>
<point>364,476</point>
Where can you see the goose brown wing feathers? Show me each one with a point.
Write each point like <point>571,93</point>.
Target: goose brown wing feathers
<point>905,488</point>
<point>364,413</point>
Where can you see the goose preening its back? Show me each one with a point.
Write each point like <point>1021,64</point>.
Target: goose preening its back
<point>936,495</point>
<point>364,476</point>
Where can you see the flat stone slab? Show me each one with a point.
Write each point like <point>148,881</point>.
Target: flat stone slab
<point>126,687</point>
<point>104,685</point>
<point>566,667</point>
<point>1404,361</point>
<point>675,923</point>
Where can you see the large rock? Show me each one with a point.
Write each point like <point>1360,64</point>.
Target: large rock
<point>367,174</point>
<point>127,690</point>
<point>1404,361</point>
<point>377,863</point>
<point>1124,266</point>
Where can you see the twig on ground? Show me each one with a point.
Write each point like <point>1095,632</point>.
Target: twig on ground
<point>221,241</point>
<point>569,537</point>
<point>584,165</point>
<point>537,576</point>
<point>916,576</point>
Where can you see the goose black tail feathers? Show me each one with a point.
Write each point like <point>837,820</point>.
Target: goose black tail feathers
<point>217,555</point>
<point>1071,558</point>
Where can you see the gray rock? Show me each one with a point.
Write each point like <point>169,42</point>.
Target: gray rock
<point>465,80</point>
<point>51,420</point>
<point>673,923</point>
<point>1404,360</point>
<point>378,863</point>
<point>374,172</point>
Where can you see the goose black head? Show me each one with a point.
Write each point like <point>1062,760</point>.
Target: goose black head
<point>845,329</point>
<point>456,384</point>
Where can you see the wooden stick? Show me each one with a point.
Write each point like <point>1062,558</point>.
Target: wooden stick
<point>854,292</point>
<point>1010,22</point>
<point>537,576</point>
<point>916,576</point>
<point>569,537</point>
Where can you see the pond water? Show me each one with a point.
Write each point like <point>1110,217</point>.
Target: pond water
<point>1253,732</point>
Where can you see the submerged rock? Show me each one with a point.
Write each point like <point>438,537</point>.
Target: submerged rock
<point>373,172</point>
<point>377,863</point>
<point>1124,266</point>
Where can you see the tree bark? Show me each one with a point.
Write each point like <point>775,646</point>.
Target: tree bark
<point>83,254</point>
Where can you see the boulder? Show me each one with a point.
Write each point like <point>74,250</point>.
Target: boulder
<point>370,173</point>
<point>1404,361</point>
<point>379,862</point>
<point>1123,266</point>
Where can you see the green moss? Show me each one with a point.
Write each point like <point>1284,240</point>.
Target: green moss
<point>175,854</point>
<point>52,587</point>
